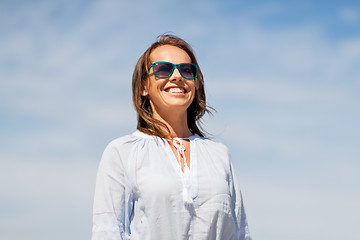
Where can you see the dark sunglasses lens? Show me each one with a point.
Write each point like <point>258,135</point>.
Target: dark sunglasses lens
<point>188,71</point>
<point>163,70</point>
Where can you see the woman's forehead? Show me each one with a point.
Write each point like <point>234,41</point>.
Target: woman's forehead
<point>169,53</point>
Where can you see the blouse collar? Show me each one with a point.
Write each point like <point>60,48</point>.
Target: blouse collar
<point>144,135</point>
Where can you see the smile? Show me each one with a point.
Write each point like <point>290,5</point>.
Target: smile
<point>175,90</point>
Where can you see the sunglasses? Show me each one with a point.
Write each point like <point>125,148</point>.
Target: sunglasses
<point>165,70</point>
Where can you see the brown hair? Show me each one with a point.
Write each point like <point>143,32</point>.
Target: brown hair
<point>146,123</point>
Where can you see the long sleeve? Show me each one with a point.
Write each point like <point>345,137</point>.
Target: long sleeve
<point>139,187</point>
<point>112,199</point>
<point>239,209</point>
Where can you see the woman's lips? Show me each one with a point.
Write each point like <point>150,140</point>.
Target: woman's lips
<point>175,90</point>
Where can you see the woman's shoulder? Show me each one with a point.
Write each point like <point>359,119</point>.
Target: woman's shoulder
<point>121,147</point>
<point>213,141</point>
<point>122,140</point>
<point>126,141</point>
<point>214,144</point>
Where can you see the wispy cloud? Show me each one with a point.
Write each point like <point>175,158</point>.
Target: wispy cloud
<point>286,95</point>
<point>350,15</point>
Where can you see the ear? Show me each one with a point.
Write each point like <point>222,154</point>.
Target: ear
<point>144,91</point>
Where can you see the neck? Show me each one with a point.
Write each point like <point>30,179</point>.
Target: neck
<point>176,122</point>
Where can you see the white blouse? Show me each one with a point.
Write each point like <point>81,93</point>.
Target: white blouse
<point>142,194</point>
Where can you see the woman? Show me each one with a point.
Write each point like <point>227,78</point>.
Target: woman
<point>166,181</point>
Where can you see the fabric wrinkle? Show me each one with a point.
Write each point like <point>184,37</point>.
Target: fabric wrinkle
<point>153,199</point>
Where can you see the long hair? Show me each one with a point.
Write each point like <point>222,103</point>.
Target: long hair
<point>145,121</point>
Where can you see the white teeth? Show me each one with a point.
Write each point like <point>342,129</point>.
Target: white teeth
<point>176,90</point>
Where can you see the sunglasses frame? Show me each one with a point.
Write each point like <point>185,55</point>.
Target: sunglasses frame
<point>173,68</point>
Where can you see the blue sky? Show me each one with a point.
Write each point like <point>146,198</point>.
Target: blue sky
<point>282,75</point>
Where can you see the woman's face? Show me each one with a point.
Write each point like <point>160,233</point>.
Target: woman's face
<point>170,94</point>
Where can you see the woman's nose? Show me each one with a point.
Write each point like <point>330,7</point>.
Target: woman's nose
<point>175,75</point>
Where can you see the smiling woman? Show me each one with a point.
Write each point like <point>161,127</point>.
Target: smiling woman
<point>170,97</point>
<point>166,180</point>
<point>149,67</point>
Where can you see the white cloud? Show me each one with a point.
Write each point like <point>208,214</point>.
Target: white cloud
<point>287,108</point>
<point>349,15</point>
<point>291,125</point>
<point>295,209</point>
<point>46,197</point>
